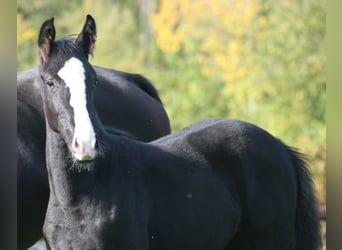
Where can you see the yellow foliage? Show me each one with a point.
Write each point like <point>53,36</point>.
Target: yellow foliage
<point>214,27</point>
<point>24,31</point>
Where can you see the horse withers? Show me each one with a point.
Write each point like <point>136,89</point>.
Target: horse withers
<point>124,101</point>
<point>217,184</point>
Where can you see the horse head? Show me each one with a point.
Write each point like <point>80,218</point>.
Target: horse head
<point>68,81</point>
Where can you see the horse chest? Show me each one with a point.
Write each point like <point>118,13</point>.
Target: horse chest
<point>94,226</point>
<point>80,228</point>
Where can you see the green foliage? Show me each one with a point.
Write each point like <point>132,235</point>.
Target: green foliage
<point>260,61</point>
<point>115,27</point>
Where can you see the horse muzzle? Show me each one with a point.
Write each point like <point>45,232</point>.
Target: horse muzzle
<point>84,150</point>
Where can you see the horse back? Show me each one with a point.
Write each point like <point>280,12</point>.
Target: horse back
<point>118,100</point>
<point>136,79</point>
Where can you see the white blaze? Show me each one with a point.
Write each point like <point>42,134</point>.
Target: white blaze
<point>73,75</point>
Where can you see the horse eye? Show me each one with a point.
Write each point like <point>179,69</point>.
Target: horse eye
<point>50,83</point>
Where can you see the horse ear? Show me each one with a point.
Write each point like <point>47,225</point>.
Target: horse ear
<point>46,38</point>
<point>87,38</point>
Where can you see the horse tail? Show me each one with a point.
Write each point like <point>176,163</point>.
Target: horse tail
<point>307,217</point>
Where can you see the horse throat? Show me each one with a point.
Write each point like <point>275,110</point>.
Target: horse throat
<point>68,179</point>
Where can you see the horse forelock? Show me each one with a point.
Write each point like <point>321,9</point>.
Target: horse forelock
<point>61,51</point>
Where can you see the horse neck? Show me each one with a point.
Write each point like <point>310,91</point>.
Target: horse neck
<point>67,186</point>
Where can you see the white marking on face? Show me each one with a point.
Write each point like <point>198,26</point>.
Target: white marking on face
<point>73,75</point>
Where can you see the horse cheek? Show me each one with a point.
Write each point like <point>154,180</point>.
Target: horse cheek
<point>51,116</point>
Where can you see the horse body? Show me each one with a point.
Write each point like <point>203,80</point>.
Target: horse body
<point>137,203</point>
<point>32,180</point>
<point>124,101</point>
<point>178,193</point>
<point>219,184</point>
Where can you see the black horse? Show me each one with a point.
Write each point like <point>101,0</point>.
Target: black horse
<point>124,101</point>
<point>217,184</point>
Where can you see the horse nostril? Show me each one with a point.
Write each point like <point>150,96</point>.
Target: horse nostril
<point>76,145</point>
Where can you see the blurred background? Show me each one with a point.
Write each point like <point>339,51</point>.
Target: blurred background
<point>260,61</point>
